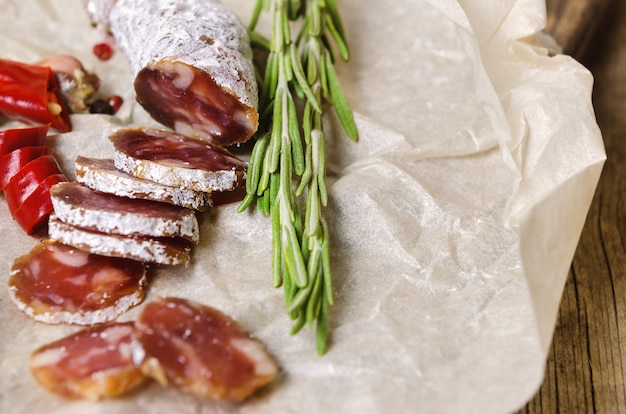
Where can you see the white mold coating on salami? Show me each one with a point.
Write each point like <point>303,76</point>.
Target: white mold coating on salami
<point>176,160</point>
<point>166,251</point>
<point>201,33</point>
<point>81,206</point>
<point>98,12</point>
<point>102,175</point>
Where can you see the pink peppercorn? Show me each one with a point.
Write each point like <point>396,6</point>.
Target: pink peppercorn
<point>115,101</point>
<point>103,51</point>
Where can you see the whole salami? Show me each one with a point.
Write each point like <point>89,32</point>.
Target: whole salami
<point>192,64</point>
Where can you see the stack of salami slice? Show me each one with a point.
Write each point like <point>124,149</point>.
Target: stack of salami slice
<point>141,204</point>
<point>193,74</point>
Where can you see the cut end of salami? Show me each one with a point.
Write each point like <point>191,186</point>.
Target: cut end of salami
<point>189,101</point>
<point>176,160</point>
<point>94,363</point>
<point>55,283</point>
<point>200,350</point>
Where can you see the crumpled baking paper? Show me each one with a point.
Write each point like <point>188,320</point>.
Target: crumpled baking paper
<point>453,219</point>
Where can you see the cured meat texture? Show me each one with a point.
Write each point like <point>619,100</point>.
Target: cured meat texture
<point>160,250</point>
<point>192,64</point>
<point>55,283</point>
<point>102,175</point>
<point>79,205</point>
<point>93,363</point>
<point>200,350</point>
<point>176,160</point>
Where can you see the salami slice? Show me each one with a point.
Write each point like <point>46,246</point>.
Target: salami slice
<point>81,206</point>
<point>176,160</point>
<point>93,363</point>
<point>102,175</point>
<point>200,350</point>
<point>55,283</point>
<point>161,250</point>
<point>192,64</point>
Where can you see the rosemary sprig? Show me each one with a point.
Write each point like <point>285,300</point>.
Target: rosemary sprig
<point>288,161</point>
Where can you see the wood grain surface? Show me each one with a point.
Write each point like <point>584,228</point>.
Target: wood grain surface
<point>575,23</point>
<point>586,368</point>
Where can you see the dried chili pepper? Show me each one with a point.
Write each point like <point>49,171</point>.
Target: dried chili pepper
<point>31,94</point>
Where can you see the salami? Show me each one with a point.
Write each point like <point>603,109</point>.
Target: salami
<point>81,206</point>
<point>160,250</point>
<point>200,350</point>
<point>176,160</point>
<point>102,175</point>
<point>93,363</point>
<point>192,64</point>
<point>55,283</point>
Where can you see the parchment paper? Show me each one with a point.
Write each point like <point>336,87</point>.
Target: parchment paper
<point>453,220</point>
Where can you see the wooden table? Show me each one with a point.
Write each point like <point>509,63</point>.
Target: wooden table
<point>586,368</point>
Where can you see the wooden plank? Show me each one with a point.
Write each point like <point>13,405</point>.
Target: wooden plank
<point>586,368</point>
<point>573,23</point>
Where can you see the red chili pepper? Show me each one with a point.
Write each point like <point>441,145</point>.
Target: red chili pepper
<point>26,180</point>
<point>12,139</point>
<point>15,160</point>
<point>31,94</point>
<point>36,209</point>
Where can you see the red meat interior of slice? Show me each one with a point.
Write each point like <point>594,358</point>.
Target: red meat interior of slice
<point>196,347</point>
<point>188,100</point>
<point>78,195</point>
<point>56,277</point>
<point>88,351</point>
<point>177,150</point>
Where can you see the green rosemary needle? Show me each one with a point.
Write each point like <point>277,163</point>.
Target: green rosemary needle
<point>287,167</point>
